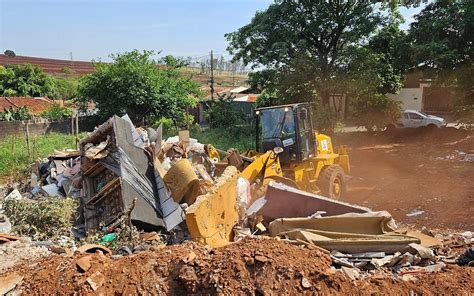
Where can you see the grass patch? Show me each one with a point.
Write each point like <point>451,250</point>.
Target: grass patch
<point>15,162</point>
<point>240,137</point>
<point>14,159</point>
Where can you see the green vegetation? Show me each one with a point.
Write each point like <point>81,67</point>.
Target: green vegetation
<point>30,81</point>
<point>25,80</point>
<point>442,45</point>
<point>239,137</point>
<point>21,113</point>
<point>45,218</point>
<point>65,87</point>
<point>312,49</point>
<point>222,112</point>
<point>55,112</point>
<point>14,159</point>
<point>134,84</point>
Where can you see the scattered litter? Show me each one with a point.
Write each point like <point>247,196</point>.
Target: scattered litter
<point>459,156</point>
<point>305,283</point>
<point>51,190</point>
<point>93,248</point>
<point>352,273</point>
<point>415,212</point>
<point>15,194</point>
<point>467,235</point>
<point>9,282</point>
<point>423,252</point>
<point>96,280</point>
<point>84,263</point>
<point>466,258</point>
<point>5,225</point>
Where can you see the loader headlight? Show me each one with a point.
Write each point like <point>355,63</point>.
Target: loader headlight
<point>278,150</point>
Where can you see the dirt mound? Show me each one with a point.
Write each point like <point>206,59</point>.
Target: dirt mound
<point>252,266</point>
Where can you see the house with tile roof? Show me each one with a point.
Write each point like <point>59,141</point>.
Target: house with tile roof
<point>35,105</point>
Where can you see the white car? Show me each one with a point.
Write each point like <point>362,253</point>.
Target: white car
<point>414,119</point>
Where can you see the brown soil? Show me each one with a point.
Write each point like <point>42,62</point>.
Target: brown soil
<point>403,171</point>
<point>253,266</point>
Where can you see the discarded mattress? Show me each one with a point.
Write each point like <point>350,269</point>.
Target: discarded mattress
<point>348,233</point>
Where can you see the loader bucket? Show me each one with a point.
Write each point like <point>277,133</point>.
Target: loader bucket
<point>212,217</point>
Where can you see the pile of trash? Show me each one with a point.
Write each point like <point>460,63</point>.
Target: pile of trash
<point>128,192</point>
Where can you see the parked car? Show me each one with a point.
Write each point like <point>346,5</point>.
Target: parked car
<point>414,119</point>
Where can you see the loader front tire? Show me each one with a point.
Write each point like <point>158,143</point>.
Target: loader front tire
<point>331,181</point>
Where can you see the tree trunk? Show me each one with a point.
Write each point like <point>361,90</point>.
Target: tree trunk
<point>325,96</point>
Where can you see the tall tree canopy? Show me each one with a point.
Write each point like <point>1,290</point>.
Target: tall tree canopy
<point>135,84</point>
<point>25,80</point>
<point>442,42</point>
<point>310,45</point>
<point>311,49</point>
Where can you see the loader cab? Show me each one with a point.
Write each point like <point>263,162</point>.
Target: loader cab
<point>289,127</point>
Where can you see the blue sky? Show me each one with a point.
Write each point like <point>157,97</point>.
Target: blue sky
<point>93,29</point>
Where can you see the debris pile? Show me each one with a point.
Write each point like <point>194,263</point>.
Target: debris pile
<point>108,212</point>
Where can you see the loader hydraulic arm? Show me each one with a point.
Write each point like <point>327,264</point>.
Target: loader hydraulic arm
<point>266,164</point>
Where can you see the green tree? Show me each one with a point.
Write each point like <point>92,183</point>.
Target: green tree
<point>9,53</point>
<point>305,40</point>
<point>135,84</point>
<point>65,88</point>
<point>442,45</point>
<point>25,80</point>
<point>311,49</point>
<point>222,112</point>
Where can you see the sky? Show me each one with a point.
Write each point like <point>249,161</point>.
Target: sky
<point>93,29</point>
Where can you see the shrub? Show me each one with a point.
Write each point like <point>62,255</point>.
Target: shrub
<point>44,218</point>
<point>55,112</point>
<point>375,111</point>
<point>20,113</point>
<point>223,113</point>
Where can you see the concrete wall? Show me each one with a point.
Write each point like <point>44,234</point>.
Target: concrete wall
<point>411,98</point>
<point>43,126</point>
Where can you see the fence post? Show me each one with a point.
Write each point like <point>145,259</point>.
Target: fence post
<point>77,130</point>
<point>28,139</point>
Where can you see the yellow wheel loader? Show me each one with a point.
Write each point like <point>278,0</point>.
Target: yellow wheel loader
<point>298,153</point>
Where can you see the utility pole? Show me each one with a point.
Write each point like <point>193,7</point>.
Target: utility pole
<point>212,76</point>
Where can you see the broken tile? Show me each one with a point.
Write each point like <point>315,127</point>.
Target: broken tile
<point>84,263</point>
<point>96,280</point>
<point>9,282</point>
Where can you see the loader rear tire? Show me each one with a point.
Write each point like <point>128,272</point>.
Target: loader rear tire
<point>331,182</point>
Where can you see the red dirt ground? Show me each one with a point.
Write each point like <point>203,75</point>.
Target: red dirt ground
<point>253,266</point>
<point>400,172</point>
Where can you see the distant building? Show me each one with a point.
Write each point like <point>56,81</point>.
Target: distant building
<point>244,100</point>
<point>419,94</point>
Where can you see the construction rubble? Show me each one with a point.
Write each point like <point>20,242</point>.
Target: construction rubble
<point>132,213</point>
